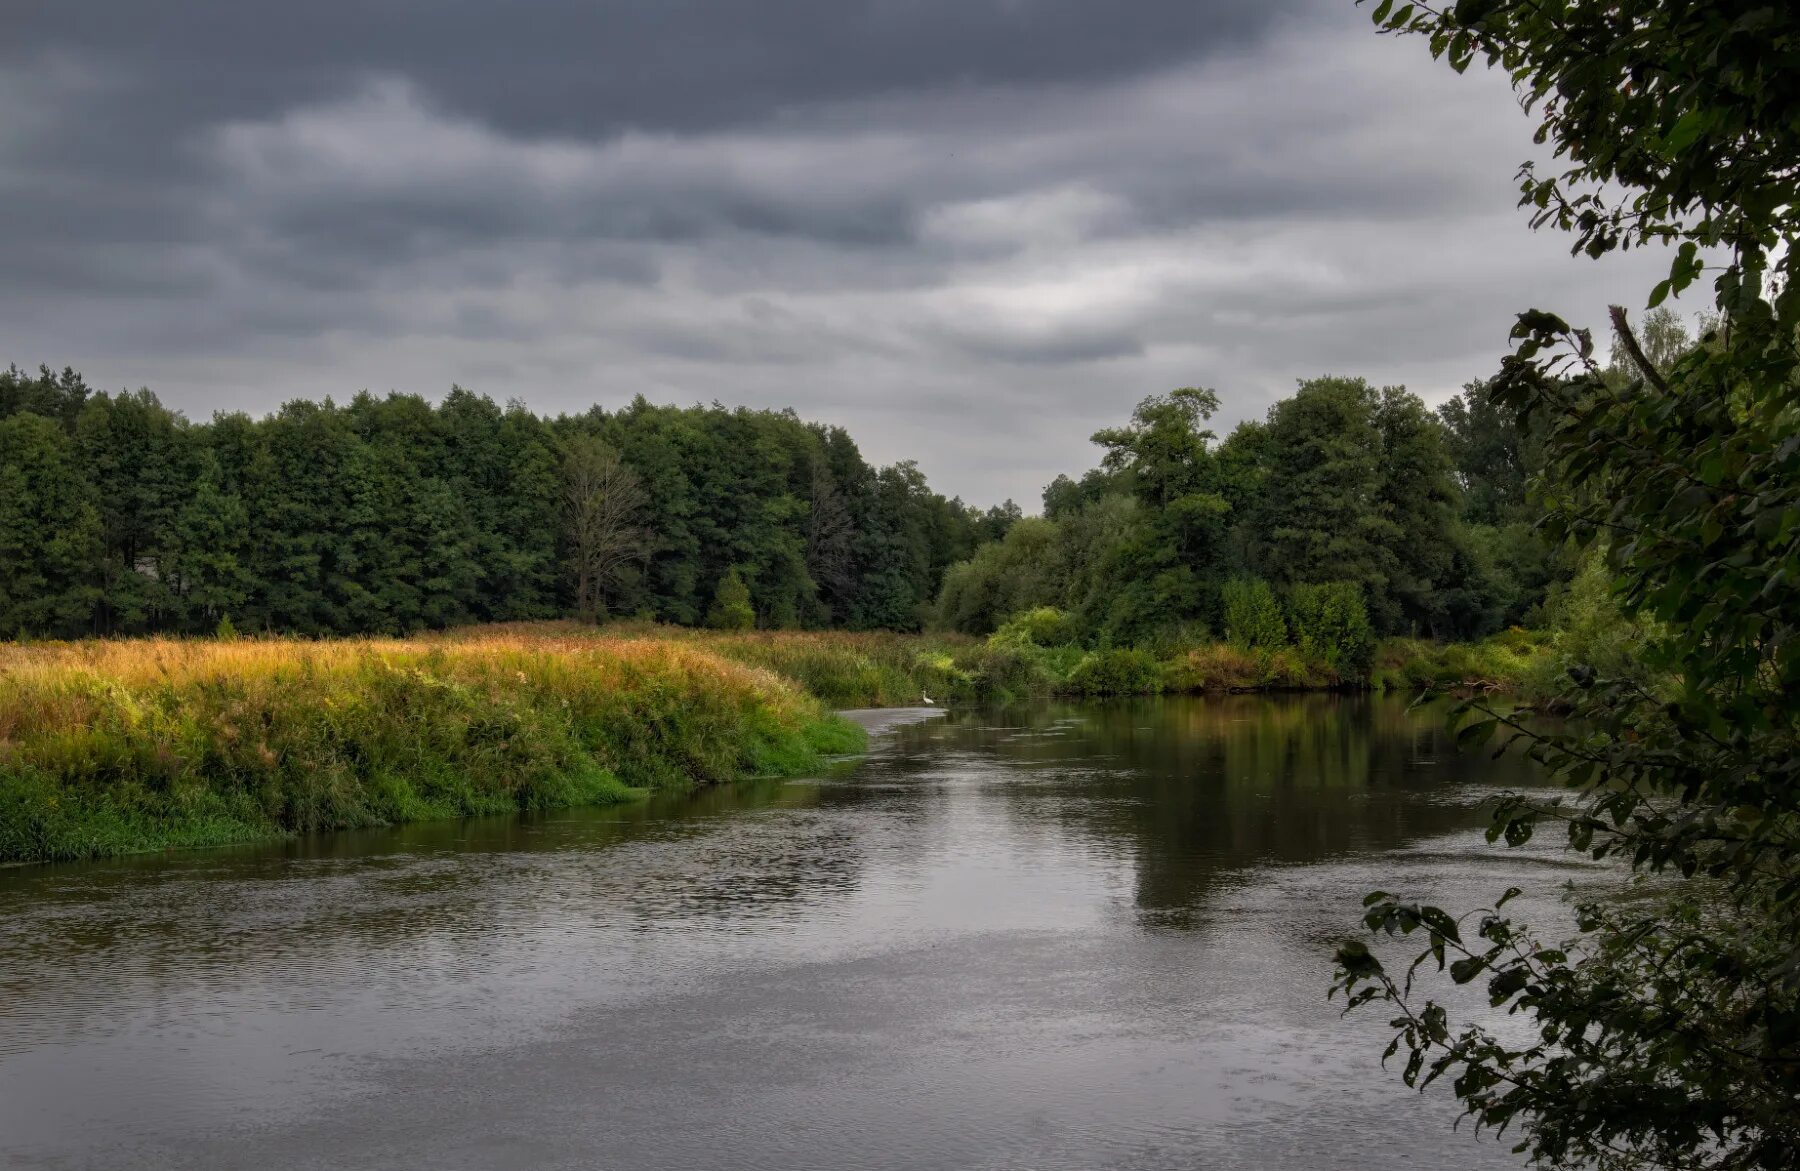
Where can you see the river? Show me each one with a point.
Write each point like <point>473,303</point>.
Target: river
<point>1062,937</point>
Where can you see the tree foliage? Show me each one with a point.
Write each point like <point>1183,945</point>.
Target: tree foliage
<point>1253,620</point>
<point>392,514</point>
<point>731,609</point>
<point>604,501</point>
<point>1342,482</point>
<point>1331,623</point>
<point>1666,1031</point>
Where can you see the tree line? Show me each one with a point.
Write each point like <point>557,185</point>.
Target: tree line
<point>1421,516</point>
<point>390,514</point>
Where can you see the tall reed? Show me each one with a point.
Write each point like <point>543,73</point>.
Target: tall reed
<point>110,747</point>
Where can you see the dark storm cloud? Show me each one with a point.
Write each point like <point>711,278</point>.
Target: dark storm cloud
<point>139,81</point>
<point>972,231</point>
<point>582,67</point>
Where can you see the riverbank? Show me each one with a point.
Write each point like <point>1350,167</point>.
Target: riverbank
<point>113,747</point>
<point>122,746</point>
<point>851,669</point>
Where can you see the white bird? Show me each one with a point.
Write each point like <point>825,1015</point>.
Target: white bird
<point>928,700</point>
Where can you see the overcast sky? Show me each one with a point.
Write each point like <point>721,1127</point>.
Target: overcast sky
<point>971,231</point>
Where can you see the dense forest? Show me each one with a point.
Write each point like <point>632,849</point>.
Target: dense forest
<point>1418,520</point>
<point>387,515</point>
<point>390,515</point>
<point>1344,484</point>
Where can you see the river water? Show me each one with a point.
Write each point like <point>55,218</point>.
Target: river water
<point>1063,937</point>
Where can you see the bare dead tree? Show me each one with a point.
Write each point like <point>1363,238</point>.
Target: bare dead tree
<point>603,500</point>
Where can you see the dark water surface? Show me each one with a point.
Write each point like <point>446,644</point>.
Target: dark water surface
<point>1066,937</point>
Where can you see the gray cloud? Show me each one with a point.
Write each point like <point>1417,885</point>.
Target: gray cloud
<point>577,66</point>
<point>971,232</point>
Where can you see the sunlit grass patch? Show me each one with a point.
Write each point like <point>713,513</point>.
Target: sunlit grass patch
<point>112,746</point>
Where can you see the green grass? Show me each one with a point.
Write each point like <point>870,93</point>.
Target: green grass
<point>882,669</point>
<point>1518,661</point>
<point>110,748</point>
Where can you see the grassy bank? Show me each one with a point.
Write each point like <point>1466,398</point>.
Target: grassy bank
<point>110,747</point>
<point>883,669</point>
<point>113,747</point>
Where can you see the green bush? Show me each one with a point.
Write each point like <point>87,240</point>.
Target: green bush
<point>1253,619</point>
<point>1331,624</point>
<point>1122,671</point>
<point>1589,628</point>
<point>1171,640</point>
<point>1044,626</point>
<point>731,608</point>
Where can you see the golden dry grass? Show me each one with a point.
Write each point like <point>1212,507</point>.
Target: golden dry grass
<point>107,746</point>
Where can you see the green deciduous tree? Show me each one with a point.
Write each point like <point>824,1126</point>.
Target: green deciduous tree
<point>1022,571</point>
<point>1317,518</point>
<point>50,531</point>
<point>1253,620</point>
<point>1354,483</point>
<point>731,609</point>
<point>1331,623</point>
<point>603,500</point>
<point>1665,1032</point>
<point>209,544</point>
<point>136,453</point>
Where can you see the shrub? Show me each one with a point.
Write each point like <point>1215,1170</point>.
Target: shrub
<point>731,608</point>
<point>1171,640</point>
<point>1253,619</point>
<point>1045,626</point>
<point>1590,628</point>
<point>1331,624</point>
<point>1016,671</point>
<point>1121,671</point>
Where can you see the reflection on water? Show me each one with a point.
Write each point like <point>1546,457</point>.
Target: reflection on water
<point>1057,937</point>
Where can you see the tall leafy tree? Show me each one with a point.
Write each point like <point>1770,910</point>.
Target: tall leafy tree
<point>1495,456</point>
<point>1171,569</point>
<point>603,501</point>
<point>50,531</point>
<point>1433,582</point>
<point>210,540</point>
<point>58,397</point>
<point>137,455</point>
<point>1492,455</point>
<point>830,543</point>
<point>1318,517</point>
<point>1665,1031</point>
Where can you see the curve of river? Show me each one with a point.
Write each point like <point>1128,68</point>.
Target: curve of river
<point>1085,936</point>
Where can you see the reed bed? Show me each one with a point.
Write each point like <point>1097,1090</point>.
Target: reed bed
<point>113,746</point>
<point>108,747</point>
<point>884,669</point>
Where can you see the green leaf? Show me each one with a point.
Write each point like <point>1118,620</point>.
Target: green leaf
<point>1687,128</point>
